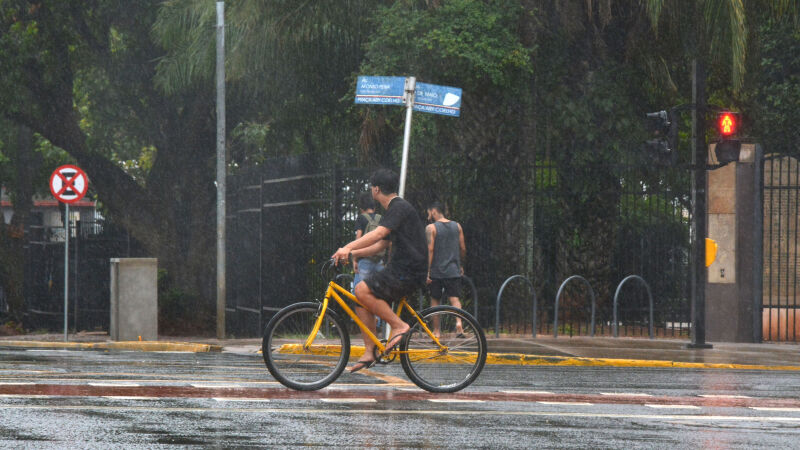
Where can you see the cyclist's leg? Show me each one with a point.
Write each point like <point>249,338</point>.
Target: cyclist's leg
<point>380,307</point>
<point>369,321</point>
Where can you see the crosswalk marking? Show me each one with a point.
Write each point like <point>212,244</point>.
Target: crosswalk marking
<point>348,400</point>
<point>765,408</point>
<point>216,386</point>
<point>722,396</point>
<point>567,403</point>
<point>454,400</point>
<point>650,405</point>
<point>526,392</point>
<point>626,394</point>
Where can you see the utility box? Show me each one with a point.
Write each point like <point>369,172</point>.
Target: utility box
<point>134,299</point>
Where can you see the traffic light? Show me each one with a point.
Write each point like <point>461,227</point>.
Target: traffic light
<point>728,146</point>
<point>664,127</point>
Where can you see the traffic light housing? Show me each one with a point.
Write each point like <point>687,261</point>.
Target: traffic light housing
<point>728,145</point>
<point>664,146</point>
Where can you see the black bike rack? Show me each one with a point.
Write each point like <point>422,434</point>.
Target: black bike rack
<point>649,296</point>
<point>500,295</point>
<point>558,296</point>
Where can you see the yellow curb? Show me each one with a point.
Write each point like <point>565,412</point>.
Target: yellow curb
<point>144,346</point>
<point>521,359</point>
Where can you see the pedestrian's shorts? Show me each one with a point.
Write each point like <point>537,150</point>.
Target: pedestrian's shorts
<point>445,287</point>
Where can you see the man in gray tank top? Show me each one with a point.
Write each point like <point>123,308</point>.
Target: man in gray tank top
<point>446,250</point>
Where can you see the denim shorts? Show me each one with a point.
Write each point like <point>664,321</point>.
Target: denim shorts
<point>366,267</point>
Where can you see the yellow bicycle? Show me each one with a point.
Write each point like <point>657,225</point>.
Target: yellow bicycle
<point>306,345</point>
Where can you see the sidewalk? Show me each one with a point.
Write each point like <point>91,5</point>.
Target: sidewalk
<point>543,350</point>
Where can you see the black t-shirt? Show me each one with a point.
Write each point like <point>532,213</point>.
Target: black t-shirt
<point>409,246</point>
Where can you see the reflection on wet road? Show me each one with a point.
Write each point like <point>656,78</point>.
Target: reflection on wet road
<point>100,399</point>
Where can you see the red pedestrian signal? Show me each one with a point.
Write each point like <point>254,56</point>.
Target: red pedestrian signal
<point>728,145</point>
<point>727,124</point>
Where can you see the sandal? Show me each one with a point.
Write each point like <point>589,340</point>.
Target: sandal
<point>402,335</point>
<point>359,365</point>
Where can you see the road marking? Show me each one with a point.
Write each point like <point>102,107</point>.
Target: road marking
<point>626,394</point>
<point>130,397</point>
<point>348,400</point>
<point>526,392</point>
<point>453,400</point>
<point>26,396</point>
<point>722,396</point>
<point>13,383</point>
<point>216,386</point>
<point>764,408</point>
<point>104,384</point>
<point>566,403</point>
<point>650,405</point>
<point>240,399</point>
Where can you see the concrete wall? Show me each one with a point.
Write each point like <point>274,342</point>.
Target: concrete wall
<point>733,222</point>
<point>134,299</point>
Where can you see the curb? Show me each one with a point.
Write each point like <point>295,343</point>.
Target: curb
<point>521,359</point>
<point>143,346</point>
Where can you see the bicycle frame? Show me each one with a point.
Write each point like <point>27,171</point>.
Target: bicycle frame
<point>334,290</point>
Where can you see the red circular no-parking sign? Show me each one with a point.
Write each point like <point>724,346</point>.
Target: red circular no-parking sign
<point>69,183</point>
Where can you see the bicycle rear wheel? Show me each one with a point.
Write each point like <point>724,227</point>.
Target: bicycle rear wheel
<point>305,369</point>
<point>453,365</point>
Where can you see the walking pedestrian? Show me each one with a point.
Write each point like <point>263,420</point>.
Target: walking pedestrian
<point>446,251</point>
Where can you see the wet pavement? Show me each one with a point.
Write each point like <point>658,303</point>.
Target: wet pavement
<point>100,398</point>
<point>561,351</point>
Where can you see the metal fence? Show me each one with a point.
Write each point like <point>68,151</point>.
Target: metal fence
<point>92,245</point>
<point>290,215</point>
<point>780,321</point>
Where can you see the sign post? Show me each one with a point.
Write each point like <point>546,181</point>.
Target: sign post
<point>423,97</point>
<point>68,184</point>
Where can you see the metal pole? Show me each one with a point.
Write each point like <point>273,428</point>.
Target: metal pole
<point>220,170</point>
<point>699,228</point>
<point>66,267</point>
<point>411,83</point>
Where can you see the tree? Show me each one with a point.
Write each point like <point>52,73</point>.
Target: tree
<point>83,76</point>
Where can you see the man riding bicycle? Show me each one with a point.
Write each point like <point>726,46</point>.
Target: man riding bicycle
<point>407,268</point>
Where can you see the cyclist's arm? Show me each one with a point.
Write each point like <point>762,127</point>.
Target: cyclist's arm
<point>371,250</point>
<point>364,241</point>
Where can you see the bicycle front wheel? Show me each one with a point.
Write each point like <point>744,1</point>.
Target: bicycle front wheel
<point>297,367</point>
<point>455,361</point>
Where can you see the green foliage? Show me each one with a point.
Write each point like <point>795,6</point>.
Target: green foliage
<point>775,104</point>
<point>465,40</point>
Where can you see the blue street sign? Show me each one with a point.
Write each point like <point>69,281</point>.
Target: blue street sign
<point>380,90</point>
<point>435,99</point>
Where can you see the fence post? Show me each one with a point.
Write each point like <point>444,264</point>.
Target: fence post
<point>500,295</point>
<point>649,296</point>
<point>558,295</point>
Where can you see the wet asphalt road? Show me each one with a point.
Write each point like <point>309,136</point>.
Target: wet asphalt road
<point>102,399</point>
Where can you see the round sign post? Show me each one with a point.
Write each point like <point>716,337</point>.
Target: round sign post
<point>68,184</point>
